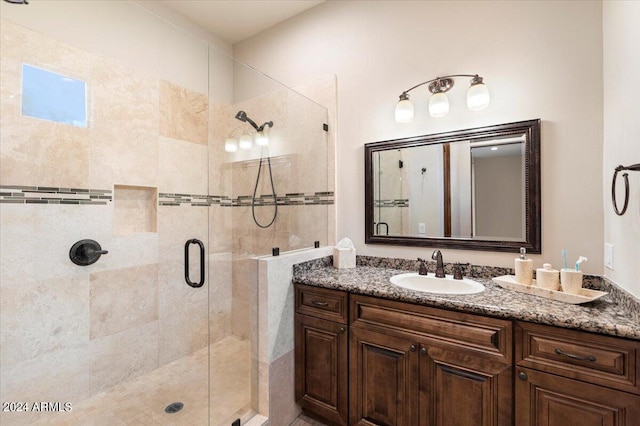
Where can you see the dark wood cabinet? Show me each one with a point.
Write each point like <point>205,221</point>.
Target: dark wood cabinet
<point>383,379</point>
<point>363,360</point>
<point>550,400</point>
<point>321,373</point>
<point>573,378</point>
<point>463,388</point>
<point>414,365</point>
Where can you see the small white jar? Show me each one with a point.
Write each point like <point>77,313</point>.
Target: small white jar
<point>548,278</point>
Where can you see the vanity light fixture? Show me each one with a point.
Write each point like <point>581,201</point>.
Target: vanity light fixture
<point>477,97</point>
<point>231,144</point>
<point>262,138</point>
<point>246,142</point>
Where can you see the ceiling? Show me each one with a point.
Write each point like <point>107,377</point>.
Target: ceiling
<point>235,20</point>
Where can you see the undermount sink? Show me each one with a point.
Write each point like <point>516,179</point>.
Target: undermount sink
<point>431,284</point>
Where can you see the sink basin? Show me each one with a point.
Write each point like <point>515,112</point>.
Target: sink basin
<point>431,284</point>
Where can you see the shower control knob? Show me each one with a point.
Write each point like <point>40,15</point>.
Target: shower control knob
<point>86,252</point>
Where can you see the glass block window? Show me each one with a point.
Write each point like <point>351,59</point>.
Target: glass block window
<point>53,97</point>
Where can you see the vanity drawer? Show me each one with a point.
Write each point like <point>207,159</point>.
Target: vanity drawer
<point>593,358</point>
<point>490,336</point>
<point>321,303</point>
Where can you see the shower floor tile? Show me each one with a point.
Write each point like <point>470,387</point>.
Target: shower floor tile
<point>142,401</point>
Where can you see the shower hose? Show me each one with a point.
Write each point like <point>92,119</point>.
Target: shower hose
<point>273,193</point>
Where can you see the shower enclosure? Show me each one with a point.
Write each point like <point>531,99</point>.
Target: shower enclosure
<point>113,129</point>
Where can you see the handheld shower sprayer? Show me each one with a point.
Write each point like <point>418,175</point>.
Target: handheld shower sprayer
<point>242,116</point>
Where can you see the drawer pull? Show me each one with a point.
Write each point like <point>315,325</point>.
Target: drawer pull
<point>315,302</point>
<point>577,357</point>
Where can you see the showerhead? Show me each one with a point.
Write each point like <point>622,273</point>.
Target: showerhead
<point>242,116</point>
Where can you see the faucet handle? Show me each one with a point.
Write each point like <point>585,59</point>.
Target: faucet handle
<point>422,267</point>
<point>458,269</point>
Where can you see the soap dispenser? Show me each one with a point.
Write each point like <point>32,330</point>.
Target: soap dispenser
<point>524,268</point>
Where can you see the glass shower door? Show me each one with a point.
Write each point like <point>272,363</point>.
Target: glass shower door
<point>104,137</point>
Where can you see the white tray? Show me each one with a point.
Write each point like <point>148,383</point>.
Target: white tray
<point>585,295</point>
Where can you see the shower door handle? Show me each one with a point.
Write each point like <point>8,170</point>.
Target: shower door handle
<point>186,263</point>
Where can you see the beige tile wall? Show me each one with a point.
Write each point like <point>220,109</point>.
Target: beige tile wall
<point>69,331</point>
<point>183,113</point>
<point>33,151</point>
<point>87,329</point>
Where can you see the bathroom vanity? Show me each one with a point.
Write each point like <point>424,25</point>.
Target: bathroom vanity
<point>369,352</point>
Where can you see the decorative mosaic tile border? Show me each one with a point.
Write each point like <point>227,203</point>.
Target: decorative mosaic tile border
<point>196,200</point>
<point>289,199</point>
<point>401,202</point>
<point>16,194</point>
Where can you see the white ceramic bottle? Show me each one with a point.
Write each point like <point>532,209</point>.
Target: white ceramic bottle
<point>524,268</point>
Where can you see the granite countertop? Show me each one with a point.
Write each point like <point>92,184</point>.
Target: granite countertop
<point>603,316</point>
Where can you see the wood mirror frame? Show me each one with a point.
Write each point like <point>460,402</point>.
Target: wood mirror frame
<point>532,241</point>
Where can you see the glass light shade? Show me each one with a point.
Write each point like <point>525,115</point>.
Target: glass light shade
<point>245,142</point>
<point>262,139</point>
<point>478,97</point>
<point>231,145</point>
<point>404,111</point>
<point>438,105</point>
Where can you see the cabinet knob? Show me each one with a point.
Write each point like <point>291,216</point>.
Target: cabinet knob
<point>412,348</point>
<point>342,329</point>
<point>522,375</point>
<point>423,350</point>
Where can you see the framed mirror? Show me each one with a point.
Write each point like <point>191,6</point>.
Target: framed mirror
<point>474,189</point>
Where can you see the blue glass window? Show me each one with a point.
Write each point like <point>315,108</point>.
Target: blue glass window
<point>53,97</point>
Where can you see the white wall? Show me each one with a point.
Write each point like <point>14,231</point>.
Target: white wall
<point>539,59</point>
<point>621,24</point>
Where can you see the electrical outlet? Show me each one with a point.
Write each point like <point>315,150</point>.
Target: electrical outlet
<point>422,228</point>
<point>608,256</point>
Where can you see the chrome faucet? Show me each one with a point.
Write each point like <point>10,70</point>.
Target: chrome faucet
<point>437,256</point>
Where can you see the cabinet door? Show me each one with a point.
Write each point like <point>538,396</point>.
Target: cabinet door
<point>550,400</point>
<point>463,387</point>
<point>321,368</point>
<point>383,379</point>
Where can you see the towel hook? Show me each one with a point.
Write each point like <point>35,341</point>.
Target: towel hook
<point>634,167</point>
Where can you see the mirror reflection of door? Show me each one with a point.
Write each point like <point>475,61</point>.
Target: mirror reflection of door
<point>498,181</point>
<point>390,198</point>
